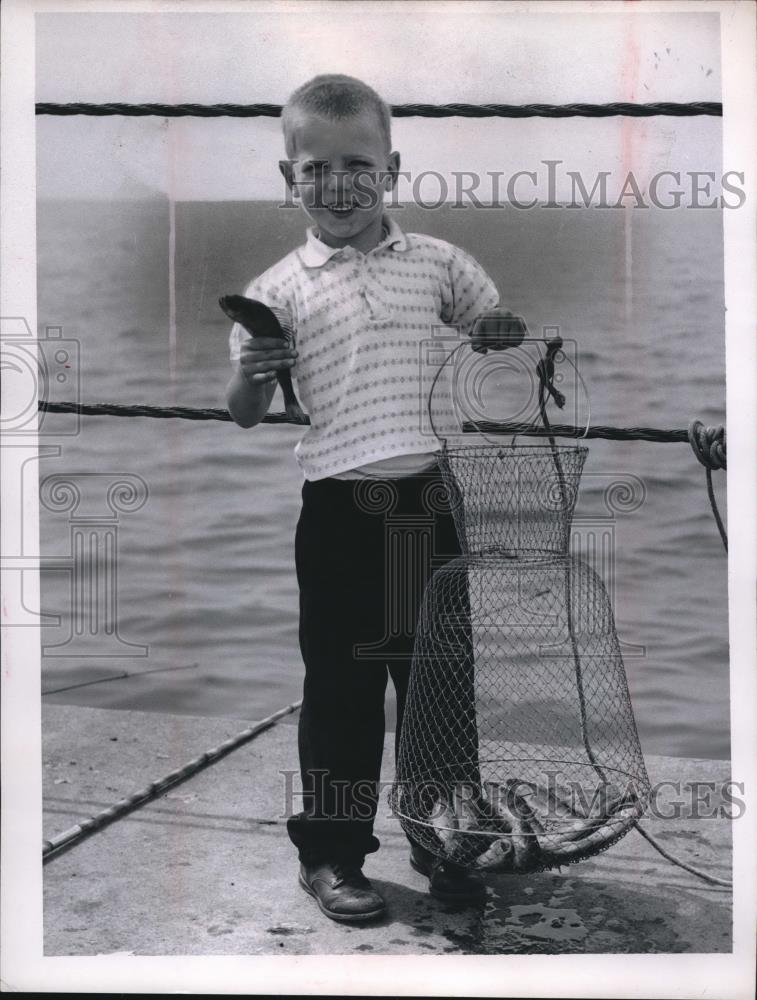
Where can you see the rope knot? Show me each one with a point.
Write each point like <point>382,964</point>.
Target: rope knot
<point>708,444</point>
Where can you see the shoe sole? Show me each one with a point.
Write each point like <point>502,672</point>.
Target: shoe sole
<point>448,897</point>
<point>343,918</point>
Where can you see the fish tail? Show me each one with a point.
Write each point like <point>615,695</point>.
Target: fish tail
<point>291,406</point>
<point>294,413</point>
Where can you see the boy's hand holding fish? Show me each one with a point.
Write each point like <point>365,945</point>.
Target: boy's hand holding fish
<point>264,358</point>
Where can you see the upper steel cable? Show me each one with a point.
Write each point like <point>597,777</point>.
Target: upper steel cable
<point>625,108</point>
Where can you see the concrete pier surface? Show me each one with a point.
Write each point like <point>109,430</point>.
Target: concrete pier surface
<point>207,868</point>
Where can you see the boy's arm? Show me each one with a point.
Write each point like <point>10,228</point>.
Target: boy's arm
<point>251,389</point>
<point>468,293</point>
<point>247,403</point>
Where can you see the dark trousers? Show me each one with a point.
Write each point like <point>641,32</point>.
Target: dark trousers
<point>364,550</point>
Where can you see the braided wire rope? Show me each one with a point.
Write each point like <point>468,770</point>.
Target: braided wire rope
<point>708,443</point>
<point>56,845</point>
<point>625,108</point>
<point>654,434</point>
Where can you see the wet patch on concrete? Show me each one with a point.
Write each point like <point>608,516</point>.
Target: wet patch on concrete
<point>559,916</point>
<point>547,922</point>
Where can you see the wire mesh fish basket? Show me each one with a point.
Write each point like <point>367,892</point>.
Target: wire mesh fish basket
<point>519,749</point>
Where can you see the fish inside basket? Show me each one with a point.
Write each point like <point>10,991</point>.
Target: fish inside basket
<point>554,813</point>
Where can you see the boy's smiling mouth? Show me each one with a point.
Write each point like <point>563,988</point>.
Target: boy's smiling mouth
<point>341,211</point>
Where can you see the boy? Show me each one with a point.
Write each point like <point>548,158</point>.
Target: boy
<point>359,298</point>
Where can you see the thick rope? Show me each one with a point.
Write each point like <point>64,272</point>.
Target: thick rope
<point>53,847</point>
<point>708,444</point>
<point>146,410</point>
<point>625,108</point>
<point>655,434</point>
<point>485,426</point>
<point>712,879</point>
<point>715,511</point>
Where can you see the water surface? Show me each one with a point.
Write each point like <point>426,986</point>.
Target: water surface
<point>205,568</point>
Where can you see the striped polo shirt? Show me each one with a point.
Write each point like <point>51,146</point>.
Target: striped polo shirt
<point>362,324</point>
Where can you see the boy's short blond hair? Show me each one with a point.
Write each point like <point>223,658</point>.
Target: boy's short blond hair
<point>335,97</point>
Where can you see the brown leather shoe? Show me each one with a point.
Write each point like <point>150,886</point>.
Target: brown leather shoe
<point>446,881</point>
<point>342,892</point>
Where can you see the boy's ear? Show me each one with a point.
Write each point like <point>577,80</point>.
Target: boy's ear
<point>287,172</point>
<point>393,168</point>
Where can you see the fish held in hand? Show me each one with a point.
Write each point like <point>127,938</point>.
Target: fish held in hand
<point>261,321</point>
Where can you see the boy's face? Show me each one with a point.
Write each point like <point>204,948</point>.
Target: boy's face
<point>340,171</point>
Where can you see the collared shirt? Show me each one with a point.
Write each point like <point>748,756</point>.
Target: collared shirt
<point>364,326</point>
